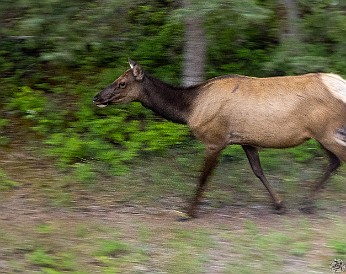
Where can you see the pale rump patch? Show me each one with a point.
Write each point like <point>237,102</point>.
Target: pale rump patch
<point>340,136</point>
<point>340,141</point>
<point>336,85</point>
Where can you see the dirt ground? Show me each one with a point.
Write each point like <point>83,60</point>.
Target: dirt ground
<point>28,217</point>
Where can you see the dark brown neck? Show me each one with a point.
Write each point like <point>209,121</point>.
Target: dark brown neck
<point>172,103</point>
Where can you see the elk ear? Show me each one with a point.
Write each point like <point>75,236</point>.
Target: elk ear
<point>136,70</point>
<point>132,63</point>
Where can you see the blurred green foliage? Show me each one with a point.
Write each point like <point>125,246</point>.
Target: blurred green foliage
<point>56,55</point>
<point>3,139</point>
<point>29,103</point>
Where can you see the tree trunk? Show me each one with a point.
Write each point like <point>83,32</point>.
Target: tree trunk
<point>289,25</point>
<point>194,48</point>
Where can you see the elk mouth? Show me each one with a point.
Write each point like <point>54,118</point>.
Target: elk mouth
<point>100,105</point>
<point>103,102</point>
<point>100,102</point>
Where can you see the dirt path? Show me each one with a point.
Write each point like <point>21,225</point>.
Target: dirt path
<point>38,236</point>
<point>22,218</point>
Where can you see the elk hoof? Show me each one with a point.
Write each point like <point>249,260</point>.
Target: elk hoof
<point>280,208</point>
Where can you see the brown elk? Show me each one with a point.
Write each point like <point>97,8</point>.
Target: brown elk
<point>277,112</point>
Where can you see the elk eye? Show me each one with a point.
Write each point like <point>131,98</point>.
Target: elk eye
<point>122,85</point>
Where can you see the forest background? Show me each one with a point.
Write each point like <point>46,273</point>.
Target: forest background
<point>56,54</point>
<point>90,190</point>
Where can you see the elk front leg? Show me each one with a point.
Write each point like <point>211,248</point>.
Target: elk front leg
<point>252,155</point>
<point>210,162</point>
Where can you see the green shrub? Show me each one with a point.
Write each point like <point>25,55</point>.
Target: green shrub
<point>28,102</point>
<point>306,152</point>
<point>66,147</point>
<point>84,172</point>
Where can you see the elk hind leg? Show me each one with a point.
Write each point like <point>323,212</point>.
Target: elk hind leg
<point>253,157</point>
<point>334,164</point>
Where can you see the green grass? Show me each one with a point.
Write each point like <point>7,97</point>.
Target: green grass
<point>339,246</point>
<point>6,183</point>
<point>264,249</point>
<point>189,250</point>
<point>337,239</point>
<point>110,247</point>
<point>41,258</point>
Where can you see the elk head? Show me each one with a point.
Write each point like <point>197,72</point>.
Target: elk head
<point>125,89</point>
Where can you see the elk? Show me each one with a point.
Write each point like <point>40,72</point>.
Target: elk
<point>274,112</point>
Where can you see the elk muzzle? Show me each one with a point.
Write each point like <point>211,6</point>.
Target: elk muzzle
<point>106,96</point>
<point>98,101</point>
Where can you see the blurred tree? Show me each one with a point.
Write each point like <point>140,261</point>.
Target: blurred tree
<point>202,28</point>
<point>289,29</point>
<point>195,46</point>
<point>318,49</point>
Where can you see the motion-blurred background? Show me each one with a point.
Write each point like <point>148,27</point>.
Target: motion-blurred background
<point>63,159</point>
